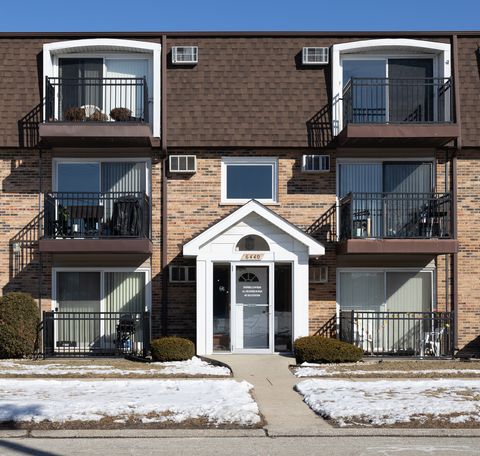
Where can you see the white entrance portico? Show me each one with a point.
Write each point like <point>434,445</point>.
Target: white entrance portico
<point>252,282</point>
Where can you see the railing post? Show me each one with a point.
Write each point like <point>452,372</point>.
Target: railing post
<point>352,327</point>
<point>146,333</point>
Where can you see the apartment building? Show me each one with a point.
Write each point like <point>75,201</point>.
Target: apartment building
<point>244,189</point>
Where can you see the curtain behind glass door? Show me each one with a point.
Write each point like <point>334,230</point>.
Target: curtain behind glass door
<point>411,91</point>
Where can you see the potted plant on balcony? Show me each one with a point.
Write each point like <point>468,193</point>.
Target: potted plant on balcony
<point>121,114</point>
<point>97,116</point>
<point>74,114</point>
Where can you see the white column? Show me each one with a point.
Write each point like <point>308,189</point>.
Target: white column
<point>201,307</point>
<point>300,297</point>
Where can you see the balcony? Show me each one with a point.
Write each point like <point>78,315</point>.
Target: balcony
<point>398,112</point>
<point>112,222</point>
<point>97,111</point>
<point>396,223</point>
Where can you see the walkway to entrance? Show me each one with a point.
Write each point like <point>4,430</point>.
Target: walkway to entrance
<point>282,407</point>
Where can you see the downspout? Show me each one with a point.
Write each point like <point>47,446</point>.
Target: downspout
<point>164,221</point>
<point>40,227</point>
<point>458,145</point>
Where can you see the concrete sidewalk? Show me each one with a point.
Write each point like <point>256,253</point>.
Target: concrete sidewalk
<point>283,408</point>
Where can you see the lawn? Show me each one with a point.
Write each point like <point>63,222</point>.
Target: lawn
<point>108,368</point>
<point>395,403</point>
<point>392,369</point>
<point>73,404</point>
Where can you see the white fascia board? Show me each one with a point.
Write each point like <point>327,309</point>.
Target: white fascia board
<point>192,248</point>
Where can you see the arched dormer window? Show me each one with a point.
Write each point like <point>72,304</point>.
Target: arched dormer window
<point>252,242</point>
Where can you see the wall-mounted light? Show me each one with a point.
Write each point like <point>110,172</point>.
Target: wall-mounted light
<point>16,248</point>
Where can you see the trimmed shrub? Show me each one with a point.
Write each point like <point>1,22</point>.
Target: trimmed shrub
<point>172,349</point>
<point>19,320</point>
<point>74,114</point>
<point>317,349</point>
<point>120,114</point>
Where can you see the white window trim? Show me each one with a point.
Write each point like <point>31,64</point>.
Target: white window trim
<point>226,161</point>
<point>382,48</point>
<point>321,266</point>
<point>153,51</point>
<point>186,268</point>
<point>71,160</point>
<point>102,271</point>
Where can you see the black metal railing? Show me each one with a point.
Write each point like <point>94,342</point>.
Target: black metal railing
<point>395,215</point>
<point>96,100</point>
<point>406,100</point>
<point>70,215</point>
<point>398,333</point>
<point>95,333</point>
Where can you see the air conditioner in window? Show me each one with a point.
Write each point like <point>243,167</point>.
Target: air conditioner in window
<point>185,55</point>
<point>316,163</point>
<point>315,56</point>
<point>182,163</point>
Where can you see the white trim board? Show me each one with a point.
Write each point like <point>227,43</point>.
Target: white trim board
<point>389,48</point>
<point>192,248</point>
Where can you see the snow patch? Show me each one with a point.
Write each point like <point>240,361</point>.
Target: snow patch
<point>310,371</point>
<point>394,401</point>
<point>194,366</point>
<point>218,401</point>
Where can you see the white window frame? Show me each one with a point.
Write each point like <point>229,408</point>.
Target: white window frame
<point>252,161</point>
<point>187,275</point>
<point>323,273</point>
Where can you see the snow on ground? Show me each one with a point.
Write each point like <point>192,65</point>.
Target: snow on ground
<point>218,401</point>
<point>393,401</point>
<point>194,366</point>
<point>309,371</point>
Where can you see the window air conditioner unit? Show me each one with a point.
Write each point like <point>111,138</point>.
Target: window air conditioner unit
<point>183,163</point>
<point>315,56</point>
<point>316,163</point>
<point>185,55</point>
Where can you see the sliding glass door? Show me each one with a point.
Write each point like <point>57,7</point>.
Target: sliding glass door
<point>388,197</point>
<point>93,304</point>
<point>382,299</point>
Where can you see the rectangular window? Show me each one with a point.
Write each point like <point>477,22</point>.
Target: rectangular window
<point>182,274</point>
<point>249,178</point>
<point>221,307</point>
<point>318,273</point>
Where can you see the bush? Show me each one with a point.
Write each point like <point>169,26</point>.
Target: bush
<point>317,349</point>
<point>74,114</point>
<point>172,349</point>
<point>19,318</point>
<point>120,114</point>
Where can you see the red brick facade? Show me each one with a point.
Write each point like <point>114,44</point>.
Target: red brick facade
<point>248,96</point>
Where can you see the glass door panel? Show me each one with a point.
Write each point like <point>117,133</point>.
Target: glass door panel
<point>252,308</point>
<point>411,90</point>
<point>221,307</point>
<point>368,91</point>
<point>77,293</point>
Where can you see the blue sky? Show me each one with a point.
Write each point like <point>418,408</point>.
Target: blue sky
<point>168,15</point>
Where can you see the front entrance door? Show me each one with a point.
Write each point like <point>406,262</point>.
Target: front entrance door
<point>252,309</point>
